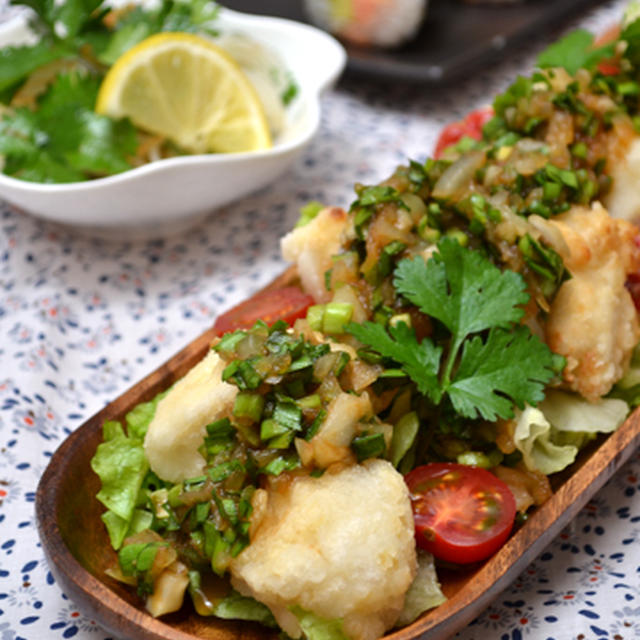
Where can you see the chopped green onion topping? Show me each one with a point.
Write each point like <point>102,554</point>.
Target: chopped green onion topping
<point>336,315</point>
<point>288,414</point>
<point>315,314</point>
<point>309,212</point>
<point>248,405</point>
<point>270,428</point>
<point>368,445</point>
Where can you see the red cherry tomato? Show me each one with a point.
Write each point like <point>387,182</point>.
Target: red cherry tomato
<point>288,304</point>
<point>471,126</point>
<point>609,67</point>
<point>633,286</point>
<point>462,514</point>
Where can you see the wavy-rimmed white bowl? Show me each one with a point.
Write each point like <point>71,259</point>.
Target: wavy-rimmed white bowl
<point>169,194</point>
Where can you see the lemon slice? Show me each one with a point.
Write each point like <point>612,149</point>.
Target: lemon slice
<point>188,90</point>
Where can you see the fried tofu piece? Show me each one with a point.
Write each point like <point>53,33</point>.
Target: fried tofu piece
<point>312,247</point>
<point>340,546</point>
<point>623,199</point>
<point>179,424</point>
<point>593,321</point>
<point>332,442</point>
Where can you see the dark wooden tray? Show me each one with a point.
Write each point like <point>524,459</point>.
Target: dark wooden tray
<point>77,547</point>
<point>456,39</point>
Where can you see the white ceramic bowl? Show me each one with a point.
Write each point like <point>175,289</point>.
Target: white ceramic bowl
<point>170,194</point>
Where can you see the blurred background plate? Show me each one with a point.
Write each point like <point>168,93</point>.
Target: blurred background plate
<point>455,39</point>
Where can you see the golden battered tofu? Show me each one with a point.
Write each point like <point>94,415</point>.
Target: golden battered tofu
<point>593,321</point>
<point>179,425</point>
<point>312,246</point>
<point>338,546</point>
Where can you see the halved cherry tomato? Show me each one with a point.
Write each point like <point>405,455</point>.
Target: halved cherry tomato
<point>462,514</point>
<point>633,286</point>
<point>288,304</point>
<point>471,126</point>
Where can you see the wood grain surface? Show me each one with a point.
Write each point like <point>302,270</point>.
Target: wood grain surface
<point>77,546</point>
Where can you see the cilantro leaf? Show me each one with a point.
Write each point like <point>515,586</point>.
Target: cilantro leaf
<point>16,63</point>
<point>64,140</point>
<point>64,19</point>
<point>126,37</point>
<point>192,16</point>
<point>492,362</point>
<point>22,146</point>
<point>70,28</point>
<point>195,16</point>
<point>574,51</point>
<point>421,361</point>
<point>462,289</point>
<point>103,145</point>
<point>509,368</point>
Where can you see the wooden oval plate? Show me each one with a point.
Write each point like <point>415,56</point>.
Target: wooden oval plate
<point>77,547</point>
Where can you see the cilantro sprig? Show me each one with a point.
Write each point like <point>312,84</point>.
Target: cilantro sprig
<point>64,140</point>
<point>195,16</point>
<point>77,29</point>
<point>57,136</point>
<point>420,360</point>
<point>488,362</point>
<point>575,51</point>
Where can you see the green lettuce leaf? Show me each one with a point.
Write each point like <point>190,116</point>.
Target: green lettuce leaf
<point>628,388</point>
<point>316,628</point>
<point>568,412</point>
<point>424,592</point>
<point>140,417</point>
<point>237,607</point>
<point>118,528</point>
<point>550,436</point>
<point>533,438</point>
<point>121,465</point>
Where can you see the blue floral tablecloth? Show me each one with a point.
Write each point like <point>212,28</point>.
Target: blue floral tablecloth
<point>82,319</point>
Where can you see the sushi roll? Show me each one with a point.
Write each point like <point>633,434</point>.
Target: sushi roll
<point>381,23</point>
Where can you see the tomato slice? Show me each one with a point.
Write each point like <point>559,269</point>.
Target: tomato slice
<point>287,303</point>
<point>462,514</point>
<point>471,126</point>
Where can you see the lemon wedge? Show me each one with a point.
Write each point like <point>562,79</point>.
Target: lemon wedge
<point>188,90</point>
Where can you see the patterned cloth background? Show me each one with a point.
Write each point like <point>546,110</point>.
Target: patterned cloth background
<point>82,319</point>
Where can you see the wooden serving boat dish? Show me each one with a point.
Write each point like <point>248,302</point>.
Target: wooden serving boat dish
<point>77,547</point>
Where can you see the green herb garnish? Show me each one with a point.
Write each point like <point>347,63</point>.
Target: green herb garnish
<point>490,362</point>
